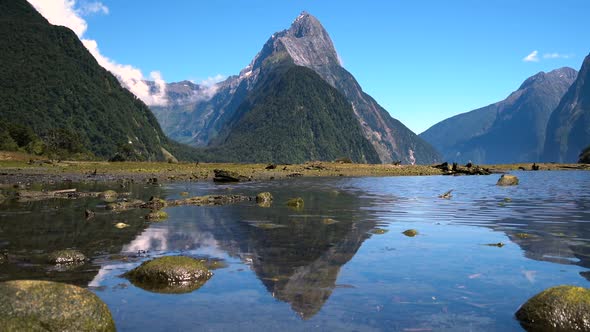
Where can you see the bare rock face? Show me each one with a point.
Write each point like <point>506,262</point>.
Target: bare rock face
<point>306,43</point>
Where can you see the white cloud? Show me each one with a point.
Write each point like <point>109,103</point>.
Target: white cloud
<point>89,8</point>
<point>556,56</point>
<point>212,80</point>
<point>533,57</point>
<point>66,13</point>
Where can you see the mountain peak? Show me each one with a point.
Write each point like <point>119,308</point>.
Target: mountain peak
<point>560,74</point>
<point>306,25</point>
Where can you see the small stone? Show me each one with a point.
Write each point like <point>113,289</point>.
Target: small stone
<point>507,180</point>
<point>121,225</point>
<point>378,231</point>
<point>108,195</point>
<point>410,232</point>
<point>264,199</point>
<point>184,193</point>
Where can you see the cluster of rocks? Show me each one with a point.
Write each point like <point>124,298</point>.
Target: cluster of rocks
<point>468,169</point>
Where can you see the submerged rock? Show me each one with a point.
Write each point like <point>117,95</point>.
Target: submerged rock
<point>156,216</point>
<point>3,258</point>
<point>121,225</point>
<point>67,256</point>
<point>170,274</point>
<point>184,193</point>
<point>507,180</point>
<point>561,308</point>
<point>378,231</point>
<point>27,305</point>
<point>224,176</point>
<point>155,203</point>
<point>410,232</point>
<point>296,203</point>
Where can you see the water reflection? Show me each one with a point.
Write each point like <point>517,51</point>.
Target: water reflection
<point>323,261</point>
<point>298,261</point>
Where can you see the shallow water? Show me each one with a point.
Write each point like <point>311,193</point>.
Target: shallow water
<point>308,273</point>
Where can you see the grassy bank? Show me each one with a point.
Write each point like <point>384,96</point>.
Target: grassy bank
<point>14,166</point>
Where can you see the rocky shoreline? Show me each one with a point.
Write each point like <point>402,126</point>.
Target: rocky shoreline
<point>23,172</point>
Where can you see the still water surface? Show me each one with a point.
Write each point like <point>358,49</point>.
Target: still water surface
<point>309,273</point>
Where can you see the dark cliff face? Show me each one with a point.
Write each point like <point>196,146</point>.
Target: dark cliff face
<point>509,131</point>
<point>306,43</point>
<point>568,130</point>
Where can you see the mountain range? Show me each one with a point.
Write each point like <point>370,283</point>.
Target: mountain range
<point>206,116</point>
<point>510,131</point>
<point>55,96</point>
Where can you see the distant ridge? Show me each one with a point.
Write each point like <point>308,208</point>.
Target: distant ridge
<point>509,131</point>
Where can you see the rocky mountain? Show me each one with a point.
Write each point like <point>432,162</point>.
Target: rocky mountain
<point>293,116</point>
<point>55,96</point>
<point>198,121</point>
<point>585,156</point>
<point>568,130</point>
<point>510,131</point>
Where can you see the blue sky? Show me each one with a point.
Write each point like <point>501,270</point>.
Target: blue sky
<point>423,61</point>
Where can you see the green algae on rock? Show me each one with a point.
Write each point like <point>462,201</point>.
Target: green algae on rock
<point>67,256</point>
<point>410,232</point>
<point>27,305</point>
<point>170,274</point>
<point>507,180</point>
<point>560,308</point>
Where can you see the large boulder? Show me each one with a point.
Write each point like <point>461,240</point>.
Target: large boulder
<point>507,180</point>
<point>561,308</point>
<point>170,274</point>
<point>224,176</point>
<point>27,305</point>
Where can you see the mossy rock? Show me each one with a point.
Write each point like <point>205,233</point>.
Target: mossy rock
<point>507,180</point>
<point>523,235</point>
<point>108,196</point>
<point>27,305</point>
<point>157,216</point>
<point>264,197</point>
<point>561,308</point>
<point>67,256</point>
<point>410,232</point>
<point>296,203</point>
<point>170,274</point>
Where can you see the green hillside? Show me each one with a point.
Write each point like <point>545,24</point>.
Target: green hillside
<point>293,116</point>
<point>56,98</point>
